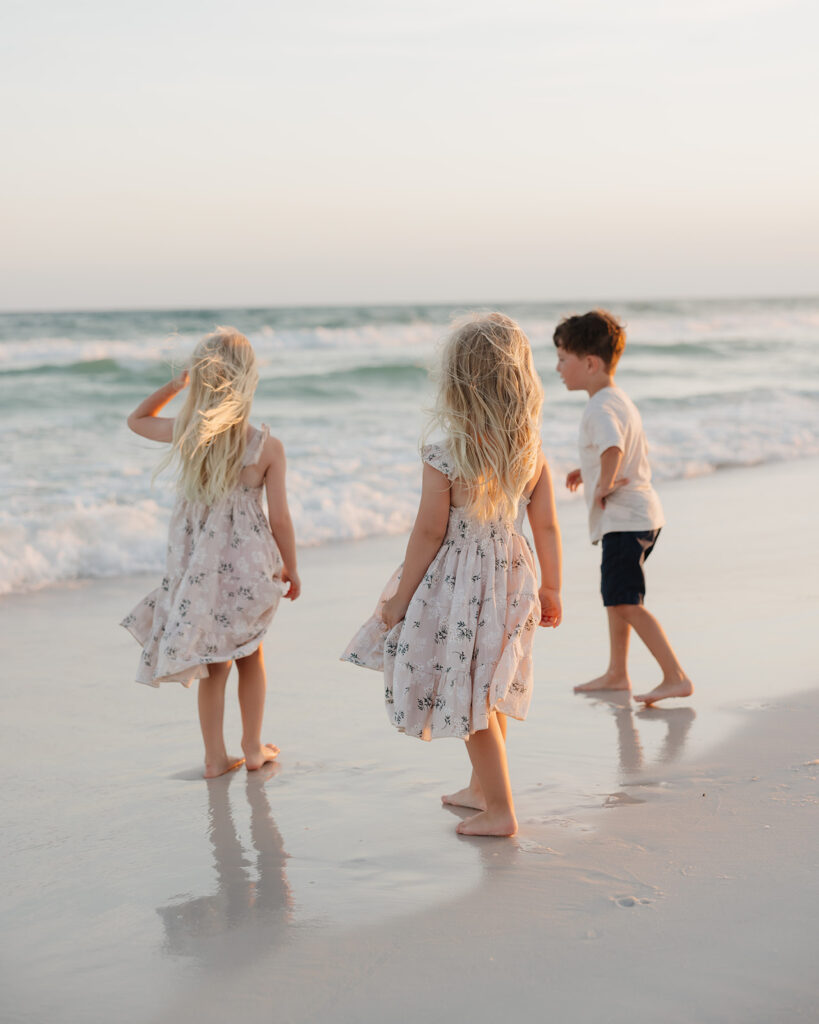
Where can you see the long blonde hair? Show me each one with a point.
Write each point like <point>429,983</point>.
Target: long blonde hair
<point>489,403</point>
<point>210,432</point>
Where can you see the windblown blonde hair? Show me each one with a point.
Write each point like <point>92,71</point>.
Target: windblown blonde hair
<point>489,403</point>
<point>210,432</point>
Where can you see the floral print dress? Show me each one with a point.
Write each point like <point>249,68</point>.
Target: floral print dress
<point>464,647</point>
<point>221,587</point>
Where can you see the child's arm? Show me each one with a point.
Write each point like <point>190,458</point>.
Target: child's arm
<point>278,513</point>
<point>574,478</point>
<point>546,535</point>
<point>609,481</point>
<point>144,420</point>
<point>425,540</point>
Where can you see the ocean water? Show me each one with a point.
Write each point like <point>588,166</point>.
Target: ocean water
<point>719,384</point>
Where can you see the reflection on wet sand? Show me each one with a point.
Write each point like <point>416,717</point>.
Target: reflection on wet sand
<point>260,905</point>
<point>678,722</point>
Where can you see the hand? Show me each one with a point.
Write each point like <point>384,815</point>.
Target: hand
<point>295,584</point>
<point>600,496</point>
<point>393,610</point>
<point>180,381</point>
<point>574,480</point>
<point>551,610</point>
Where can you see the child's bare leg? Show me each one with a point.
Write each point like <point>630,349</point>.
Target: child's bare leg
<point>211,719</point>
<point>472,794</point>
<point>616,675</point>
<point>487,752</point>
<point>252,690</point>
<point>675,682</point>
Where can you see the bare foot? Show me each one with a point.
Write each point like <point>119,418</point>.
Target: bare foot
<point>466,797</point>
<point>489,823</point>
<point>213,769</point>
<point>608,681</point>
<point>265,753</point>
<point>682,687</point>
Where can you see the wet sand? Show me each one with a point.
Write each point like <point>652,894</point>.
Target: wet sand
<point>666,866</point>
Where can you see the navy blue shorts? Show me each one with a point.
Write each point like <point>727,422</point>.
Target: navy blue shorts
<point>621,571</point>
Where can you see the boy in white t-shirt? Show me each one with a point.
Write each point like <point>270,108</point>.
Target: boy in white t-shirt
<point>624,510</point>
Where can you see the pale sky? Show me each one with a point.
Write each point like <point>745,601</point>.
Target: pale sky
<point>260,153</point>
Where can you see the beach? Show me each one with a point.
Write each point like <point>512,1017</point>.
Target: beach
<point>666,863</point>
<point>350,191</point>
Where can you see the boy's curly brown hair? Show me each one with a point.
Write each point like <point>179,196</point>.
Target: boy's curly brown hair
<point>597,333</point>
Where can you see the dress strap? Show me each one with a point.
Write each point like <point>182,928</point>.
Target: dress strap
<point>439,458</point>
<point>254,449</point>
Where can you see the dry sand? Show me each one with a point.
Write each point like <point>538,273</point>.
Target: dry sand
<point>666,866</point>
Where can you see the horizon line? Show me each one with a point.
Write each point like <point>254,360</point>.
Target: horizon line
<point>405,304</point>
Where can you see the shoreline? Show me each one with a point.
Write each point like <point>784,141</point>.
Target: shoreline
<point>566,506</point>
<point>333,888</point>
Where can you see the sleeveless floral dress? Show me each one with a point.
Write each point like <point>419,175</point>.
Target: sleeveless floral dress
<point>221,587</point>
<point>464,647</point>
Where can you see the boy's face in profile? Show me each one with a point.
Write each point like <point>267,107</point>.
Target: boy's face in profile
<point>572,369</point>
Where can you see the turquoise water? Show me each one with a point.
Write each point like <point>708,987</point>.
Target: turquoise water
<point>719,384</point>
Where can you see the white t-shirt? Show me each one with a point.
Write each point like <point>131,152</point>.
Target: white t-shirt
<point>611,420</point>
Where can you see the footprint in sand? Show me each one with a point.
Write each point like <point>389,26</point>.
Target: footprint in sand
<point>621,799</point>
<point>632,901</point>
<point>530,846</point>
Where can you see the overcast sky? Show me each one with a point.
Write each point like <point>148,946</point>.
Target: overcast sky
<point>322,151</point>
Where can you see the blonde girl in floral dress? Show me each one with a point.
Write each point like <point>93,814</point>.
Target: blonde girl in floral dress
<point>228,564</point>
<point>453,629</point>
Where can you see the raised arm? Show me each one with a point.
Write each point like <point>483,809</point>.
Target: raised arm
<point>144,420</point>
<point>278,513</point>
<point>546,535</point>
<point>426,538</point>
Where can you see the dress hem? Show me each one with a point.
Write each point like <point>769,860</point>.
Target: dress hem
<point>438,735</point>
<point>190,673</point>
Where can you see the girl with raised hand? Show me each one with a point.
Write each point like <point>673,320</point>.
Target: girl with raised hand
<point>227,564</point>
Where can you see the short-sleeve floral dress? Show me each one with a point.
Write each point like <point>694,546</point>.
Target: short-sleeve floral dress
<point>221,587</point>
<point>464,647</point>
